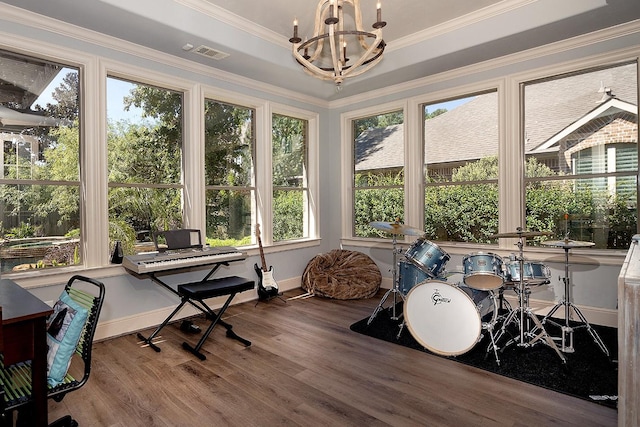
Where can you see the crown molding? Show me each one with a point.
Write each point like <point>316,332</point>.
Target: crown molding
<point>458,23</point>
<point>622,30</point>
<point>236,21</point>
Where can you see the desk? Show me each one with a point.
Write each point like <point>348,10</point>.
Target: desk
<point>24,325</point>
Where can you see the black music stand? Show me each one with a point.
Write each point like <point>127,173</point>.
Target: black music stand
<point>177,239</point>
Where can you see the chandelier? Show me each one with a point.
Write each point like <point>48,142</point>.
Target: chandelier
<point>334,52</point>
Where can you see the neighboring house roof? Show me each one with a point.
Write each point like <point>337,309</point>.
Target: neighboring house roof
<point>467,132</point>
<point>608,108</point>
<point>571,99</point>
<point>553,108</point>
<point>380,148</point>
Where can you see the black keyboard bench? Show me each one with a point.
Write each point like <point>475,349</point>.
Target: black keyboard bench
<point>195,294</point>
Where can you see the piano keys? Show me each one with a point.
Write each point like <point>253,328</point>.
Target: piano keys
<point>162,261</point>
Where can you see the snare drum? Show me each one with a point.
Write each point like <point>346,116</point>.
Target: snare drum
<point>448,319</point>
<point>427,256</point>
<point>483,271</point>
<point>535,273</point>
<point>408,276</point>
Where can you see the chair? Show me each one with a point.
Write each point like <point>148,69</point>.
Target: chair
<point>88,293</point>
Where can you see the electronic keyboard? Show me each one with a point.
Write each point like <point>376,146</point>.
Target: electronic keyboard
<point>171,260</point>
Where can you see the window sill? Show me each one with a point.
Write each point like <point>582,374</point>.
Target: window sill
<point>54,276</point>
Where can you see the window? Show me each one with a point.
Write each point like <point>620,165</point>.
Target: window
<point>40,179</point>
<point>144,140</point>
<point>378,186</point>
<point>581,147</point>
<point>461,169</point>
<point>229,173</point>
<point>289,174</point>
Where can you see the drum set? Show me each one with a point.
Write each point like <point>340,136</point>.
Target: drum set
<point>448,313</point>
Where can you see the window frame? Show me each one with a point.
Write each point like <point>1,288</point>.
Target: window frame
<point>347,139</point>
<point>310,181</point>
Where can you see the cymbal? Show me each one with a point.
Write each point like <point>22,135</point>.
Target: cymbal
<point>566,243</point>
<point>520,234</point>
<point>396,228</point>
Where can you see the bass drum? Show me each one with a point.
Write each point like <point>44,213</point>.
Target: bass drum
<point>448,319</point>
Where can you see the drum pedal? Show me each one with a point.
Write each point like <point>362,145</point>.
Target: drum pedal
<point>567,337</point>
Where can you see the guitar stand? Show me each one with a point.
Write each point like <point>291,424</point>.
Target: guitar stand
<point>270,297</point>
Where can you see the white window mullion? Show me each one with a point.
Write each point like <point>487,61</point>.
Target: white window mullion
<point>193,160</point>
<point>93,166</point>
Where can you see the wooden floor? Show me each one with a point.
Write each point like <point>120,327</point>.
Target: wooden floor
<point>305,368</point>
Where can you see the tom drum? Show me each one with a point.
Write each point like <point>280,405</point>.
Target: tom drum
<point>428,257</point>
<point>483,271</point>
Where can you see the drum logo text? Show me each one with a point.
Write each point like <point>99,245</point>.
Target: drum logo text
<point>437,298</point>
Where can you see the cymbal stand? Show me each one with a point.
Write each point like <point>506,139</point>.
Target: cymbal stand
<point>567,330</point>
<point>395,290</point>
<point>525,313</point>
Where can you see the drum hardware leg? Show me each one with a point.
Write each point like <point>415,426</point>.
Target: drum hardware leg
<point>492,346</point>
<point>394,288</point>
<point>511,317</point>
<point>526,315</point>
<point>567,330</point>
<point>401,328</point>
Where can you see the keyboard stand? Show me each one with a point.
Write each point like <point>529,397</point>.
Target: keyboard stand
<point>195,293</point>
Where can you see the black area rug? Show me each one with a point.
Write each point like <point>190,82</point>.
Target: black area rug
<point>588,374</point>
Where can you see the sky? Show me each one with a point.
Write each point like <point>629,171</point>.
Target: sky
<point>448,105</point>
<point>116,91</point>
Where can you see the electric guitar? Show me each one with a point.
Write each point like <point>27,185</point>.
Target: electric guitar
<point>267,286</point>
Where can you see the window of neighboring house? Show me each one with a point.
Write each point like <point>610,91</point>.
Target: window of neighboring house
<point>289,176</point>
<point>144,140</point>
<point>461,168</point>
<point>581,147</point>
<point>378,175</point>
<point>40,179</point>
<point>229,173</point>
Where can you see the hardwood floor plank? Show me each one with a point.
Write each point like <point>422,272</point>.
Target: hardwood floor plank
<point>305,367</point>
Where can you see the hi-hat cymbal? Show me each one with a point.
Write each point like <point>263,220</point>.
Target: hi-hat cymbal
<point>520,233</point>
<point>566,243</point>
<point>396,228</point>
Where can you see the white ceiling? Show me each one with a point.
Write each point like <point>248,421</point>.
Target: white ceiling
<point>423,37</point>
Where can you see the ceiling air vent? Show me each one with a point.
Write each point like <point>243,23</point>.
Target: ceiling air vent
<point>210,53</point>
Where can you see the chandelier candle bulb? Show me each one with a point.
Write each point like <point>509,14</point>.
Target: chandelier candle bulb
<point>379,12</point>
<point>295,38</point>
<point>332,19</point>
